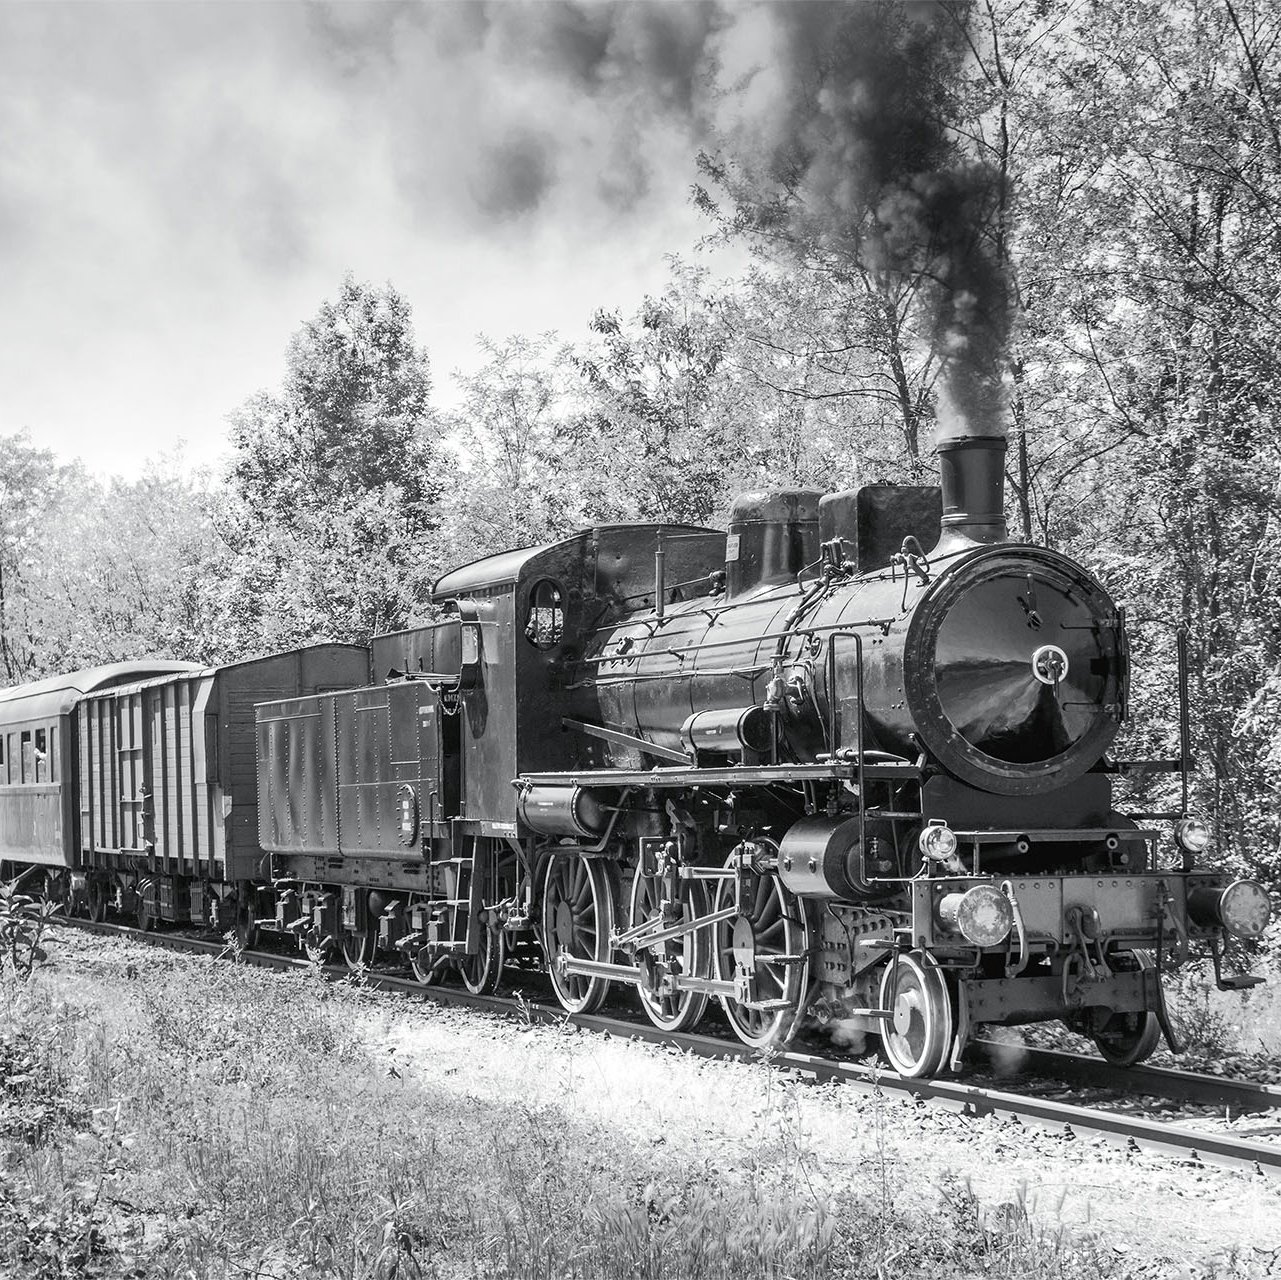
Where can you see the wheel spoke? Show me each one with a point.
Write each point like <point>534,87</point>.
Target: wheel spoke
<point>769,935</point>
<point>759,897</point>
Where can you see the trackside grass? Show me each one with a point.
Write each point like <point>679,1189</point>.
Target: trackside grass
<point>186,1118</point>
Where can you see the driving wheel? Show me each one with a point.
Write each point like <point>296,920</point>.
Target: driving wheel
<point>687,955</point>
<point>770,939</point>
<point>577,918</point>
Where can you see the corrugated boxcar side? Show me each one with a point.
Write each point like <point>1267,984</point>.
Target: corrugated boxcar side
<point>98,823</point>
<point>297,783</point>
<point>114,773</point>
<point>188,836</point>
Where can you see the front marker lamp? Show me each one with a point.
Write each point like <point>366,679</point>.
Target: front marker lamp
<point>937,842</point>
<point>982,915</point>
<point>1193,835</point>
<point>1243,908</point>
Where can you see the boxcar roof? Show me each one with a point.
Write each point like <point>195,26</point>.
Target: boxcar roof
<point>57,695</point>
<point>505,568</point>
<point>200,671</point>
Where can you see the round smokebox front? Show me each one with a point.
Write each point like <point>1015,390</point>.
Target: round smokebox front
<point>1015,671</point>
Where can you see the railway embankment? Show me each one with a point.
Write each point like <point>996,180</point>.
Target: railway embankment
<point>163,1114</point>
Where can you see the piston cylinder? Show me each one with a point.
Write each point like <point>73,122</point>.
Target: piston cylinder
<point>821,857</point>
<point>563,811</point>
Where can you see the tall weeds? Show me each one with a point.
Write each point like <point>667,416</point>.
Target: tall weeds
<point>220,1121</point>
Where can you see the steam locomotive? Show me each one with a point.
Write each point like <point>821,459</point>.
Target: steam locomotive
<point>807,768</point>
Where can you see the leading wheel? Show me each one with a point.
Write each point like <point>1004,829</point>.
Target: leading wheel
<point>677,1010</point>
<point>919,1030</point>
<point>769,939</point>
<point>482,972</point>
<point>578,918</point>
<point>1126,1039</point>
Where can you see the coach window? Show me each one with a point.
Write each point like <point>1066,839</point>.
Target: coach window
<point>4,762</point>
<point>545,625</point>
<point>28,760</point>
<point>11,759</point>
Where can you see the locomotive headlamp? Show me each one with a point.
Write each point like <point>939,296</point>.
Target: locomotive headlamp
<point>1245,909</point>
<point>937,842</point>
<point>981,915</point>
<point>1193,835</point>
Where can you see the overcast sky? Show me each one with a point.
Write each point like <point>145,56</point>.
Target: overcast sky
<point>181,184</point>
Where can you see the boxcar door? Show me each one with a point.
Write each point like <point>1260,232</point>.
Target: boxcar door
<point>133,758</point>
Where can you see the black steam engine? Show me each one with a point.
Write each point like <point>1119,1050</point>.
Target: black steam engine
<point>847,763</point>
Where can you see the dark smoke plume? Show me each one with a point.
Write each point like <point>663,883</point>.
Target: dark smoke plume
<point>866,149</point>
<point>841,114</point>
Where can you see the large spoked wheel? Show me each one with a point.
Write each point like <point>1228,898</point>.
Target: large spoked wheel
<point>429,969</point>
<point>483,972</point>
<point>771,938</point>
<point>578,918</point>
<point>678,1010</point>
<point>1127,1039</point>
<point>919,1030</point>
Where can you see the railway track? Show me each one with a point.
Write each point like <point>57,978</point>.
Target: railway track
<point>1022,1098</point>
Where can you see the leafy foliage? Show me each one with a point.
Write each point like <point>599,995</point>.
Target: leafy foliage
<point>23,921</point>
<point>330,503</point>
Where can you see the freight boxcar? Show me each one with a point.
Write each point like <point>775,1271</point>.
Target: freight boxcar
<point>39,814</point>
<point>167,785</point>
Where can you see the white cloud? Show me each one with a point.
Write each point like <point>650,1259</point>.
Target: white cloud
<point>180,185</point>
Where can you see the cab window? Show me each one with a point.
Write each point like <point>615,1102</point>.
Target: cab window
<point>545,623</point>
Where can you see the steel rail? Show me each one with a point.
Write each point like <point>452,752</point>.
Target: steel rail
<point>1132,1132</point>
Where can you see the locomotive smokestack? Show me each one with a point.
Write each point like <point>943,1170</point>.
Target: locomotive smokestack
<point>972,476</point>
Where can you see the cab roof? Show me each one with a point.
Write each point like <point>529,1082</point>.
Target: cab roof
<point>507,567</point>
